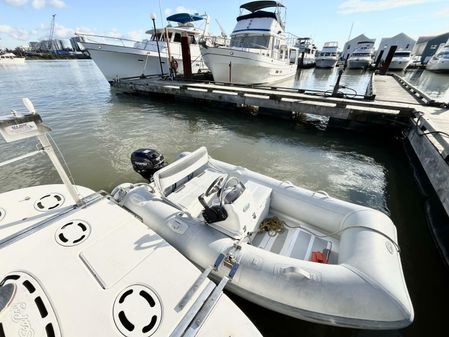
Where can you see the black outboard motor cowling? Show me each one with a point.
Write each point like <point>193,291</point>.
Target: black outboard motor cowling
<point>147,161</point>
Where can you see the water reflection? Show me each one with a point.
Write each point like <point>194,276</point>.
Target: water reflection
<point>97,131</point>
<point>434,84</point>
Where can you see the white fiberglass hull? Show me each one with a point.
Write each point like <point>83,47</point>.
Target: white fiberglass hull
<point>326,62</point>
<point>242,67</point>
<point>363,285</point>
<point>306,62</point>
<point>399,64</point>
<point>359,63</point>
<point>438,66</point>
<point>122,62</point>
<point>13,61</point>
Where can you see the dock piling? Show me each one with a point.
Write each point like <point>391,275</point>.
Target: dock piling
<point>186,57</point>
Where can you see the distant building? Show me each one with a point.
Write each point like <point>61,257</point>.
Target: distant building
<point>426,46</point>
<point>76,46</point>
<point>351,45</point>
<point>402,41</point>
<point>52,46</point>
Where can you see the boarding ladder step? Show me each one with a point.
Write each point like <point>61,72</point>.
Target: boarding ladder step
<point>191,323</point>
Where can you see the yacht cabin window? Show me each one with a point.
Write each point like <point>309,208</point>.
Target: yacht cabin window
<point>251,41</point>
<point>402,54</point>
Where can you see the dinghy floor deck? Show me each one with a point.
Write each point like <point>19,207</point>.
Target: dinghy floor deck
<point>296,243</point>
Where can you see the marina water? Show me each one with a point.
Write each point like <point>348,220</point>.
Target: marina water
<point>97,130</point>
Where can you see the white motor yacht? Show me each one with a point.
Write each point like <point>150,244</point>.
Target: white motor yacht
<point>306,52</point>
<point>328,56</point>
<point>76,263</point>
<point>362,56</point>
<point>10,58</point>
<point>301,253</point>
<point>401,60</point>
<point>259,51</point>
<point>121,58</point>
<point>440,61</point>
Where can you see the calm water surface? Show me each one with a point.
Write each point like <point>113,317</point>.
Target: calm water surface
<point>97,130</point>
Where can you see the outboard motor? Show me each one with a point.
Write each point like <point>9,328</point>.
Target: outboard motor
<point>147,161</point>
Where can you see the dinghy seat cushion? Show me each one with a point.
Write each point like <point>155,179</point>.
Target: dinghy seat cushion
<point>178,172</point>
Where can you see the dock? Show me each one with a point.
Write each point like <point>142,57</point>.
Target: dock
<point>282,102</point>
<point>389,101</point>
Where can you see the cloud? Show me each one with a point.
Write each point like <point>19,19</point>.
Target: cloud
<point>62,32</point>
<point>136,35</point>
<point>15,33</point>
<point>16,3</point>
<point>179,9</point>
<point>442,13</point>
<point>38,3</point>
<point>57,3</point>
<point>40,33</point>
<point>357,6</point>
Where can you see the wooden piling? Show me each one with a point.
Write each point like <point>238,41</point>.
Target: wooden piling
<point>186,57</point>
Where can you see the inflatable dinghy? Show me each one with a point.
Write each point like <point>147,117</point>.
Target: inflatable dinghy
<point>294,251</point>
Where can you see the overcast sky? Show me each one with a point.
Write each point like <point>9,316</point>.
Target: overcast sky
<point>22,21</point>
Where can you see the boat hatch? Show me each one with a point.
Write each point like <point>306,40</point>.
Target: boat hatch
<point>28,306</point>
<point>49,202</point>
<point>137,311</point>
<point>72,233</point>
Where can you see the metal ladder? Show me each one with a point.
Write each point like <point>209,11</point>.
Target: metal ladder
<point>191,323</point>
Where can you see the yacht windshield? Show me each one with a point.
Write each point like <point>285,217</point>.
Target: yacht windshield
<point>254,41</point>
<point>361,54</point>
<point>402,54</point>
<point>444,55</point>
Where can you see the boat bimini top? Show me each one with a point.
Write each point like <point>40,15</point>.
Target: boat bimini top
<point>256,11</point>
<point>258,5</point>
<point>183,18</point>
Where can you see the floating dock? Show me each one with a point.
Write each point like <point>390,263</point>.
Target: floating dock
<point>282,102</point>
<point>389,101</point>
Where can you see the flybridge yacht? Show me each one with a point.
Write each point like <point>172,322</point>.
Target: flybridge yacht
<point>76,263</point>
<point>328,56</point>
<point>122,58</point>
<point>401,60</point>
<point>259,51</point>
<point>306,51</point>
<point>362,56</point>
<point>440,61</point>
<point>10,58</point>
